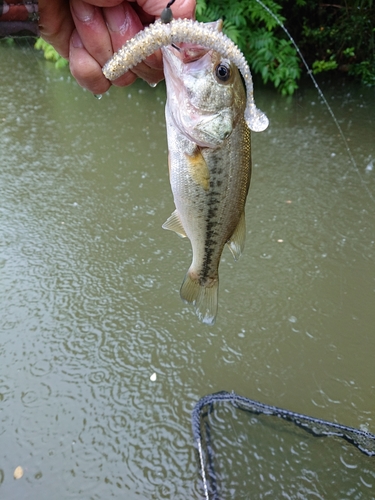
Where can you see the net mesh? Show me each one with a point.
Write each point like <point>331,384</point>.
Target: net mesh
<point>224,441</point>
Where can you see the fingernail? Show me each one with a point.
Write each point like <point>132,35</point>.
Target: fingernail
<point>76,40</point>
<point>84,11</point>
<point>117,18</point>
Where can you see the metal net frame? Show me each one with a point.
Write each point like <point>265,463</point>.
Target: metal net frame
<point>364,441</point>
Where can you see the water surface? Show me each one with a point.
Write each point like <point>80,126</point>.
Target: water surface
<point>90,307</point>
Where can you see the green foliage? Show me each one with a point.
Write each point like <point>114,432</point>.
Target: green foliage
<point>348,52</point>
<point>259,37</point>
<point>50,53</point>
<point>338,36</point>
<point>365,71</point>
<point>324,65</point>
<point>7,41</point>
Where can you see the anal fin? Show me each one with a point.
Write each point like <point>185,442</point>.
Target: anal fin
<point>173,223</point>
<point>236,242</point>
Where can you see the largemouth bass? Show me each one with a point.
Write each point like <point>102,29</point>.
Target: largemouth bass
<point>209,165</point>
<point>209,115</point>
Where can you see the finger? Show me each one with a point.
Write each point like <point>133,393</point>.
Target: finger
<point>123,23</point>
<point>181,9</point>
<point>105,3</point>
<point>92,30</point>
<point>85,69</point>
<point>56,24</point>
<point>149,75</point>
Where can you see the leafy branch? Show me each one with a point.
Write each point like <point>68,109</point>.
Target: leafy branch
<point>50,53</point>
<point>260,38</point>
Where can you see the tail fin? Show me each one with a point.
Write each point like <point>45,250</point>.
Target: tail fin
<point>204,298</point>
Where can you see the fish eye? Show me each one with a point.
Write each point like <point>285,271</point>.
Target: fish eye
<point>223,72</point>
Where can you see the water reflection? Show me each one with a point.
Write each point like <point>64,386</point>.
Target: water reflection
<point>89,287</point>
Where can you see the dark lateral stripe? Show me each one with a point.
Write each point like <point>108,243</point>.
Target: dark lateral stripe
<point>210,240</point>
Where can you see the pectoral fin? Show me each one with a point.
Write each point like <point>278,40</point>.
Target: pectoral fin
<point>198,169</point>
<point>236,243</point>
<point>173,223</point>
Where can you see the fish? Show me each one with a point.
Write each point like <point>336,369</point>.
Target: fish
<point>210,112</point>
<point>209,165</point>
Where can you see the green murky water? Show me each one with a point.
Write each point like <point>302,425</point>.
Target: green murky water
<point>90,307</point>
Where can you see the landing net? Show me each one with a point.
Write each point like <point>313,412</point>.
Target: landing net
<point>216,426</point>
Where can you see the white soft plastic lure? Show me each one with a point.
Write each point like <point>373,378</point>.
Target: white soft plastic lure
<point>161,34</point>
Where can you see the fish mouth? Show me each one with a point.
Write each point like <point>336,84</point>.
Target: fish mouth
<point>189,52</point>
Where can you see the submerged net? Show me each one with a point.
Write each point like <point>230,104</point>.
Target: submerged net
<point>224,440</point>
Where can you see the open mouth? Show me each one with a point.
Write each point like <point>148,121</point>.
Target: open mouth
<point>189,52</point>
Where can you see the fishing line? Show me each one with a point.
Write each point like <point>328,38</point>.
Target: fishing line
<point>320,92</point>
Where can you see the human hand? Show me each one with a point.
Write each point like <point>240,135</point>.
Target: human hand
<point>89,32</point>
